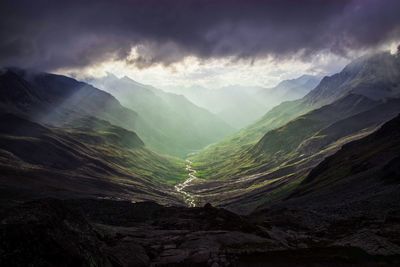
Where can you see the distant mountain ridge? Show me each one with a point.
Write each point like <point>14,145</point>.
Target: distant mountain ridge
<point>288,90</point>
<point>242,105</point>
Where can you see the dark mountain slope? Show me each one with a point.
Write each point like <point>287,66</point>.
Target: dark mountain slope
<point>91,158</point>
<point>352,195</point>
<point>185,127</point>
<point>376,156</point>
<point>369,119</point>
<point>362,175</point>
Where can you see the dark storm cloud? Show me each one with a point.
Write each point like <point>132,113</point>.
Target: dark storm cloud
<point>53,34</point>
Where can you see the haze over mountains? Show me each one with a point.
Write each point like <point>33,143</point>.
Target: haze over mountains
<point>182,126</point>
<point>240,105</point>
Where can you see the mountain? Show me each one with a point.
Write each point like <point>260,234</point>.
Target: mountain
<point>375,76</point>
<point>60,137</point>
<point>269,169</point>
<point>371,162</point>
<point>87,158</point>
<point>350,199</point>
<point>185,127</point>
<point>56,100</point>
<point>361,77</point>
<point>288,90</point>
<point>242,173</point>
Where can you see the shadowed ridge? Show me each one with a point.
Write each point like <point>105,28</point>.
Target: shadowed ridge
<point>376,155</point>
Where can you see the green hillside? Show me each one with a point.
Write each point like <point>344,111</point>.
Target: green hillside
<point>92,157</point>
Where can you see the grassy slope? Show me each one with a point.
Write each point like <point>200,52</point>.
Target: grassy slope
<point>119,146</point>
<point>220,158</point>
<point>279,144</point>
<point>83,161</point>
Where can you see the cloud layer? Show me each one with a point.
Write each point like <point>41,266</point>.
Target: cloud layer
<point>61,34</point>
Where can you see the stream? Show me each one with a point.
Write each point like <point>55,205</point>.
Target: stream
<point>180,188</point>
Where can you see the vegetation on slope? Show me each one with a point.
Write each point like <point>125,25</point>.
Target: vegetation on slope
<point>92,157</point>
<point>279,144</point>
<point>221,156</point>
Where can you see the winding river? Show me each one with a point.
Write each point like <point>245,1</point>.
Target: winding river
<point>180,188</point>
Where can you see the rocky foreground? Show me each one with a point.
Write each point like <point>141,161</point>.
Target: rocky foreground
<point>53,232</point>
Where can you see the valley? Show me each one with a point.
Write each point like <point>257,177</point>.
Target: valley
<point>200,133</point>
<point>258,165</point>
<point>313,177</point>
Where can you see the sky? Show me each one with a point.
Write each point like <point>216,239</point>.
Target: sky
<point>182,43</point>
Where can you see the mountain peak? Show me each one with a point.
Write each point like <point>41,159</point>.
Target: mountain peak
<point>368,60</point>
<point>373,75</point>
<point>110,75</point>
